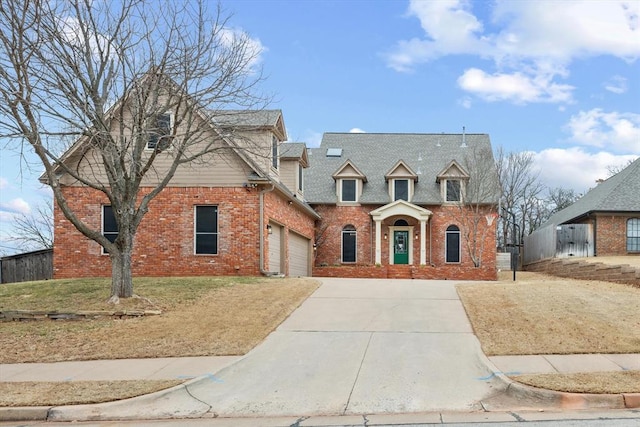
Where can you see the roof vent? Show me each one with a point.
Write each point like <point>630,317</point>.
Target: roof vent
<point>464,137</point>
<point>334,152</point>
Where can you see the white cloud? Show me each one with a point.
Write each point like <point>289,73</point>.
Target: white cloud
<point>575,168</point>
<point>4,183</point>
<point>619,132</point>
<point>516,87</point>
<point>17,205</point>
<point>233,38</point>
<point>357,130</point>
<point>617,84</point>
<point>535,42</point>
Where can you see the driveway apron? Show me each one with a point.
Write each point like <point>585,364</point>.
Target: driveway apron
<point>360,346</point>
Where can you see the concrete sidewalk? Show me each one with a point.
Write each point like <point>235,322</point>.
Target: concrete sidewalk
<point>193,367</point>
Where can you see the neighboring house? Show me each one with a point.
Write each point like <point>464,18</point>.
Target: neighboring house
<point>603,222</point>
<point>241,213</point>
<point>402,205</point>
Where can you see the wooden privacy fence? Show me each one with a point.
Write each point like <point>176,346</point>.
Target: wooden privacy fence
<point>37,265</point>
<point>562,241</point>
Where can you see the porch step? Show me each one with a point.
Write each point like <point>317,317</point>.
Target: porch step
<point>400,272</point>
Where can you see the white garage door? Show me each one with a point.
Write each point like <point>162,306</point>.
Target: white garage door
<point>275,243</point>
<point>298,255</point>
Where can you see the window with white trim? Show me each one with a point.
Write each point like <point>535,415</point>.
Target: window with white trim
<point>452,244</point>
<point>160,134</point>
<point>206,230</point>
<point>109,225</point>
<point>349,240</point>
<point>349,190</point>
<point>300,177</point>
<point>401,189</point>
<point>453,190</point>
<point>633,235</point>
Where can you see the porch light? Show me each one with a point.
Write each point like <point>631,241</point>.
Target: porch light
<point>385,236</point>
<point>269,229</point>
<point>416,236</point>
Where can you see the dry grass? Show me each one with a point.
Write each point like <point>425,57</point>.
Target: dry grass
<point>76,392</point>
<point>541,314</point>
<point>201,316</point>
<point>594,382</point>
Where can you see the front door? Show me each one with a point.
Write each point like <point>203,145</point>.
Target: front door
<point>400,247</point>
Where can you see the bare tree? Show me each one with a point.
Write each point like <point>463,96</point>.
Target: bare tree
<point>614,169</point>
<point>521,194</point>
<point>34,230</point>
<point>477,211</point>
<point>560,198</point>
<point>102,77</point>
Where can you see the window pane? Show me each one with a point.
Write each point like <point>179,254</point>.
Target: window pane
<point>159,135</point>
<point>453,190</point>
<point>207,243</point>
<point>348,246</point>
<point>109,224</point>
<point>348,190</point>
<point>401,190</point>
<point>274,152</point>
<point>206,219</point>
<point>453,246</point>
<point>633,235</point>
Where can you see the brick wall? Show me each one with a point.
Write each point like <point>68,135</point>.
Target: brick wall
<point>164,244</point>
<point>611,236</point>
<point>334,218</point>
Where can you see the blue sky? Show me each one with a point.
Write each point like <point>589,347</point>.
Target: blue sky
<point>558,78</point>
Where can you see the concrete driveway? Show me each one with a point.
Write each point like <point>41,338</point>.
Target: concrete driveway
<point>360,346</point>
<point>356,346</point>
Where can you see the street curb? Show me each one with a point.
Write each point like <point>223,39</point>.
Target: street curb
<point>538,398</point>
<point>24,413</point>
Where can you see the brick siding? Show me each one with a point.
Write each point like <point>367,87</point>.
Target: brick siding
<point>164,244</point>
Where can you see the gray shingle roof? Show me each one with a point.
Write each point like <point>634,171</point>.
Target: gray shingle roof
<point>292,150</point>
<point>248,118</point>
<point>620,193</point>
<point>376,153</point>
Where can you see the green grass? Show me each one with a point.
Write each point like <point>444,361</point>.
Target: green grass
<point>92,294</point>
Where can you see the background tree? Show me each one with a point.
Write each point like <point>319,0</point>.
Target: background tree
<point>102,75</point>
<point>477,211</point>
<point>559,198</point>
<point>34,230</point>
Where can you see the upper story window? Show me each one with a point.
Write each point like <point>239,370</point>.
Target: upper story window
<point>401,189</point>
<point>349,190</point>
<point>160,134</point>
<point>274,152</point>
<point>109,225</point>
<point>453,190</point>
<point>300,177</point>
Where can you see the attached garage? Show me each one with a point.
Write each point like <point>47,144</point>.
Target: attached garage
<point>275,248</point>
<point>299,255</point>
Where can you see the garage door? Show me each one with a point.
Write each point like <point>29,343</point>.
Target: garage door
<point>275,244</point>
<point>298,255</point>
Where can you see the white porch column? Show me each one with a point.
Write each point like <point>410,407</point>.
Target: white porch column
<point>378,248</point>
<point>423,242</point>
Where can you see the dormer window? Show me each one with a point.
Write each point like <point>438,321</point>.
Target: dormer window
<point>453,180</point>
<point>349,183</point>
<point>300,178</point>
<point>453,191</point>
<point>401,179</point>
<point>401,189</point>
<point>160,133</point>
<point>349,191</point>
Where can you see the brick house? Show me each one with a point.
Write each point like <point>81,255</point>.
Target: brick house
<point>360,205</point>
<point>609,214</point>
<point>403,205</point>
<point>241,213</point>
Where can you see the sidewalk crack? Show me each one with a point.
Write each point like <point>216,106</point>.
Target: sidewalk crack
<point>364,355</point>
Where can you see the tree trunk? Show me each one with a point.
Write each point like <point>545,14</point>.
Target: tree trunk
<point>121,276</point>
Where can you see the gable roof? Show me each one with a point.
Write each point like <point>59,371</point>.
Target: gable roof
<point>374,154</point>
<point>294,151</point>
<point>619,193</point>
<point>349,170</point>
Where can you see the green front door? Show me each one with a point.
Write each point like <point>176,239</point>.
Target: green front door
<point>400,247</point>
